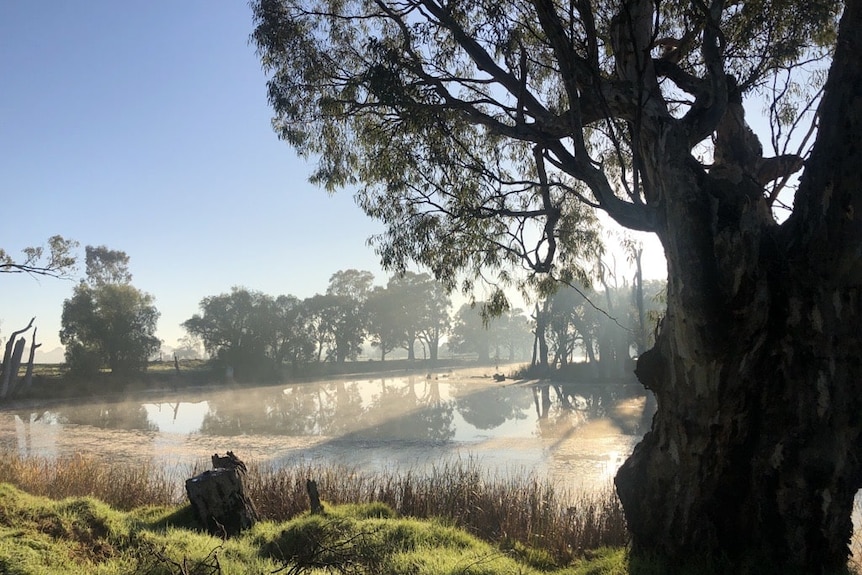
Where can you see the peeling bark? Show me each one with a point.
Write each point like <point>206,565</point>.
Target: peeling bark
<point>754,451</point>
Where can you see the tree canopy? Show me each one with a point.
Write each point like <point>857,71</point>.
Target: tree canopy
<point>484,135</point>
<point>108,322</point>
<point>250,332</point>
<point>57,261</point>
<point>106,266</point>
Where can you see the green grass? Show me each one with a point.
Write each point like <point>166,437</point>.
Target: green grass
<point>81,535</point>
<point>83,515</point>
<point>43,536</point>
<point>519,514</point>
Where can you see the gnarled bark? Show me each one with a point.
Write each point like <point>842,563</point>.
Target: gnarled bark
<point>754,452</point>
<point>220,503</point>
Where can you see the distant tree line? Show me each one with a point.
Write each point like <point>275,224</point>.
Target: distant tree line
<point>260,335</point>
<point>107,323</point>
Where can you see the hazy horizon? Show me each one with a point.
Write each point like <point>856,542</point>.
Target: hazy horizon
<point>146,129</point>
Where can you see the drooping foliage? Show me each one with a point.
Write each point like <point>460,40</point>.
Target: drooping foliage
<point>57,261</point>
<point>484,134</point>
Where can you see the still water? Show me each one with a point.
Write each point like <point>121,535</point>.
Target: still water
<point>575,434</point>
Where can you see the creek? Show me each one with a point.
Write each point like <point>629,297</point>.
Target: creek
<point>575,434</point>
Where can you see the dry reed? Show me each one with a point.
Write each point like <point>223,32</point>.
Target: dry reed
<point>511,511</point>
<point>507,510</point>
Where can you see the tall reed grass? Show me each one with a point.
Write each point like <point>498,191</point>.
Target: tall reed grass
<point>122,486</point>
<point>509,510</point>
<point>515,512</point>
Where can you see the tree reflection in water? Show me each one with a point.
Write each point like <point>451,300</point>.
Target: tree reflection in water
<point>393,419</point>
<point>487,408</point>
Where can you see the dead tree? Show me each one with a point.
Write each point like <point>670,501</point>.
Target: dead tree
<point>10,366</point>
<point>219,500</point>
<point>28,376</point>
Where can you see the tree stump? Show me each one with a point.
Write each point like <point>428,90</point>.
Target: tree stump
<point>220,503</point>
<point>314,497</point>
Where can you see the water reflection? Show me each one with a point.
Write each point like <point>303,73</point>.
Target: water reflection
<point>574,432</point>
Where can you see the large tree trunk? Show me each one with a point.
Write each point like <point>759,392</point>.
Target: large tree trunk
<point>755,452</point>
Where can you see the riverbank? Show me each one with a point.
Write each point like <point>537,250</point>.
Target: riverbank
<point>526,519</point>
<point>83,535</point>
<point>52,382</point>
<point>390,527</point>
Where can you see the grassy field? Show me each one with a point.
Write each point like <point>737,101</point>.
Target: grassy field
<point>107,519</point>
<point>84,535</point>
<point>81,515</point>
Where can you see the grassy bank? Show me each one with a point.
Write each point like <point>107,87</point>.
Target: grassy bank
<point>83,535</point>
<point>81,515</point>
<point>510,512</point>
<point>53,381</point>
<point>88,516</point>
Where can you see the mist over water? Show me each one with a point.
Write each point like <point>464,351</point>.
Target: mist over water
<point>575,434</point>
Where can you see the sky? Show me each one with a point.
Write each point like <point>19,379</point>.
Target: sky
<point>144,126</point>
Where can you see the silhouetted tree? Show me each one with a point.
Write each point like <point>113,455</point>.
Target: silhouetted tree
<point>425,310</point>
<point>106,266</point>
<point>355,284</point>
<point>338,324</point>
<point>511,335</point>
<point>111,325</point>
<point>432,307</point>
<point>293,342</point>
<point>59,261</point>
<point>239,330</point>
<point>479,133</point>
<point>385,320</point>
<point>470,332</point>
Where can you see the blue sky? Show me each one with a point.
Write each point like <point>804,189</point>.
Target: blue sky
<point>144,126</point>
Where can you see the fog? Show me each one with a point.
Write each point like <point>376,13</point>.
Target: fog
<point>577,435</point>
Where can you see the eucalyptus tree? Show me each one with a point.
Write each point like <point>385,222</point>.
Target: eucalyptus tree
<point>337,324</point>
<point>482,133</point>
<point>58,260</point>
<point>425,310</point>
<point>385,321</point>
<point>106,266</point>
<point>108,322</point>
<point>511,335</point>
<point>355,284</point>
<point>293,341</point>
<point>341,317</point>
<point>189,347</point>
<point>565,324</point>
<point>469,332</point>
<point>238,329</point>
<point>434,310</point>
